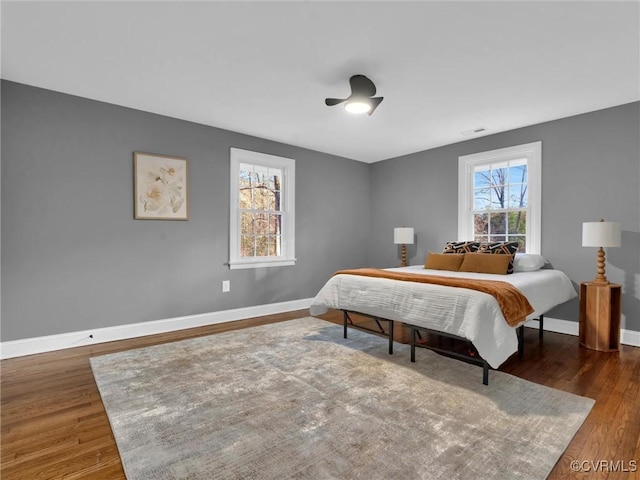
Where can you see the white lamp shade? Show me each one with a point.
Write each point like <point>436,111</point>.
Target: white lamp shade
<point>403,235</point>
<point>601,234</point>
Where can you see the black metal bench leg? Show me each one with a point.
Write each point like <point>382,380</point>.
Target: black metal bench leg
<point>474,359</point>
<point>413,344</point>
<point>380,329</point>
<point>520,335</point>
<point>344,323</point>
<point>541,329</point>
<point>391,337</point>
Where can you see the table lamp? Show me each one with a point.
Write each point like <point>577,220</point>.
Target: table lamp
<point>403,236</point>
<point>601,234</point>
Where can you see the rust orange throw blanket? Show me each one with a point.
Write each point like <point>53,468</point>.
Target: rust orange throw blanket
<point>514,305</point>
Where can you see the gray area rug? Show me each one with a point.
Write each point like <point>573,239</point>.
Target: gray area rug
<point>296,400</point>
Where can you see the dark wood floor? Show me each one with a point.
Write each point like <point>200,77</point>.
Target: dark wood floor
<point>54,424</point>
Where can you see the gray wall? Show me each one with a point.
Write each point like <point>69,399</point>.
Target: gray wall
<point>590,170</point>
<point>73,257</point>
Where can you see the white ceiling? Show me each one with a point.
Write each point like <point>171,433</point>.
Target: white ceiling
<point>264,68</point>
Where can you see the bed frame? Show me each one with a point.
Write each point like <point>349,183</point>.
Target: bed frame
<point>415,332</point>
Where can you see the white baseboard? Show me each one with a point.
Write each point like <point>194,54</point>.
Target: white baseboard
<point>30,346</point>
<point>627,337</point>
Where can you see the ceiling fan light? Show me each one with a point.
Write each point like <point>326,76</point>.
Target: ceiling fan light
<point>357,106</point>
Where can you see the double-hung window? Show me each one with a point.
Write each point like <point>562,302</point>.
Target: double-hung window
<point>499,196</point>
<point>262,228</point>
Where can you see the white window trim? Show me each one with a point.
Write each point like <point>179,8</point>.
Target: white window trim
<point>288,165</point>
<point>533,153</point>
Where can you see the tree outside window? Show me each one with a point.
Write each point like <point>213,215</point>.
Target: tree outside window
<point>262,215</point>
<point>499,196</point>
<point>260,212</point>
<point>500,202</point>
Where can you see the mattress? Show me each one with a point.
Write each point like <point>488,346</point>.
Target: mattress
<point>470,314</point>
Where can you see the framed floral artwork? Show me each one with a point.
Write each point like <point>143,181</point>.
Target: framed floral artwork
<point>161,187</point>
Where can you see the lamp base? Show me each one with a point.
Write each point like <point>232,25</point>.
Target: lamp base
<point>601,278</point>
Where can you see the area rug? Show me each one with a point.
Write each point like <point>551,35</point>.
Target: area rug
<point>294,400</point>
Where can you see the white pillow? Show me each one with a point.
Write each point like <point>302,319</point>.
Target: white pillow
<point>528,262</point>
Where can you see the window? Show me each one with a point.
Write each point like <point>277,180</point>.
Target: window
<point>499,196</point>
<point>262,210</point>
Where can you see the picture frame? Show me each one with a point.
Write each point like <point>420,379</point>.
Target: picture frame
<point>161,187</point>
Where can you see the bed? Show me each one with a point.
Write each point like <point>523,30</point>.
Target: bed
<point>457,312</point>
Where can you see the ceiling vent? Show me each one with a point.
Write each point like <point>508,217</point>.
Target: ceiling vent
<point>475,131</point>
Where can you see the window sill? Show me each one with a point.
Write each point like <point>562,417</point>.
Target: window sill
<point>261,264</point>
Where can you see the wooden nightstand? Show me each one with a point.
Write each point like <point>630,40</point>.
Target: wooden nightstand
<point>600,310</point>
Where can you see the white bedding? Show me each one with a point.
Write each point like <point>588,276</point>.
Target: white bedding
<point>467,313</point>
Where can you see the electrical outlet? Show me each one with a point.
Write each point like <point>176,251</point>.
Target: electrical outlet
<point>226,286</point>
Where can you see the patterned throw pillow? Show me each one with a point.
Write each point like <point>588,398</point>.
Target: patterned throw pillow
<point>461,247</point>
<point>501,248</point>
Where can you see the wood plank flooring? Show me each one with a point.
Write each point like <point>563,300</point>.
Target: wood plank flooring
<point>53,423</point>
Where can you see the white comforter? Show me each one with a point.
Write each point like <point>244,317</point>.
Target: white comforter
<point>467,313</point>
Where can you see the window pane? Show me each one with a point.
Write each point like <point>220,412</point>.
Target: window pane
<point>274,181</point>
<point>481,178</point>
<point>246,223</point>
<point>481,224</point>
<point>481,199</point>
<point>481,238</point>
<point>518,173</point>
<point>497,238</point>
<point>497,197</point>
<point>497,223</point>
<point>259,169</point>
<point>262,249</point>
<point>254,179</point>
<point>499,176</point>
<point>263,180</point>
<point>245,198</point>
<point>274,245</point>
<point>245,179</point>
<point>273,200</point>
<point>518,196</point>
<point>275,224</point>
<point>247,246</point>
<point>517,223</point>
<point>261,223</point>
<point>522,242</point>
<point>260,198</point>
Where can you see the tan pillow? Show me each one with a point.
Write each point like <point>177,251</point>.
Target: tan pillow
<point>444,261</point>
<point>485,263</point>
